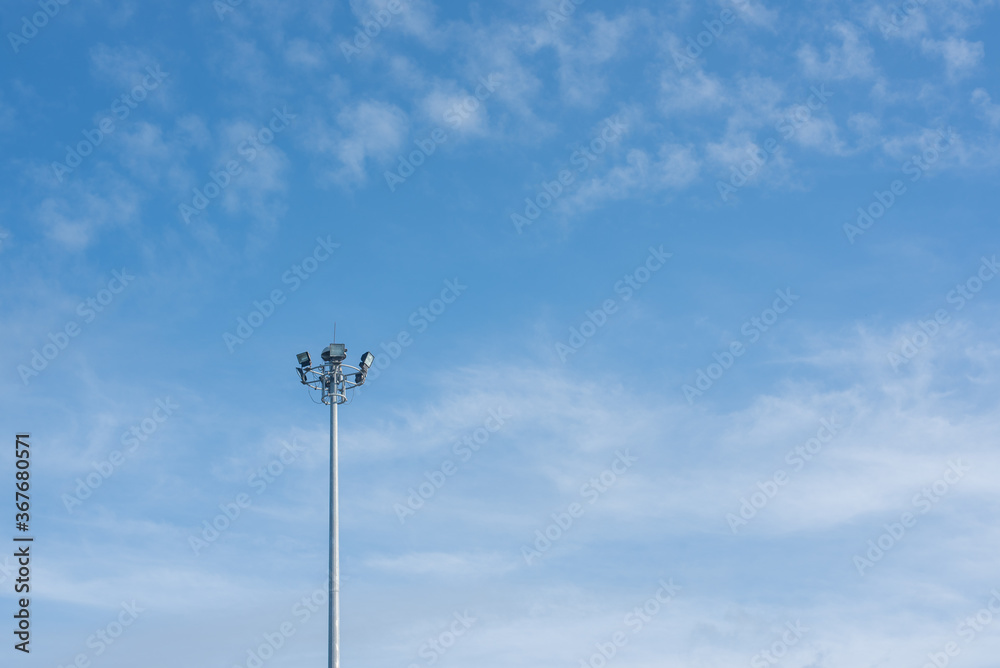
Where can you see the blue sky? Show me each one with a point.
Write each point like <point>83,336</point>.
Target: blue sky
<point>683,313</point>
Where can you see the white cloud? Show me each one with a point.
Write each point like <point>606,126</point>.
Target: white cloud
<point>694,92</point>
<point>894,23</point>
<point>149,157</point>
<point>367,132</point>
<point>124,66</point>
<point>450,106</point>
<point>819,132</point>
<point>256,190</point>
<point>504,49</point>
<point>754,12</point>
<point>906,145</point>
<point>583,46</point>
<point>852,58</point>
<point>866,125</point>
<point>757,103</point>
<point>985,107</point>
<point>416,19</point>
<point>303,53</point>
<point>675,167</point>
<point>960,57</point>
<point>895,435</point>
<point>244,62</point>
<point>739,152</point>
<point>72,215</point>
<point>442,564</point>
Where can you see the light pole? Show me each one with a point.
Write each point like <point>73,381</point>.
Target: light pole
<point>329,378</point>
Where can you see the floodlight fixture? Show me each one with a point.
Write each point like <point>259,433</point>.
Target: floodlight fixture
<point>305,361</point>
<point>335,352</point>
<point>366,361</point>
<point>302,375</point>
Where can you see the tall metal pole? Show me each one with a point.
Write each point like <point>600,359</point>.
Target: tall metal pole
<point>330,380</point>
<point>334,654</point>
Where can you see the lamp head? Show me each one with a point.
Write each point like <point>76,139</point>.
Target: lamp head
<point>304,360</point>
<point>335,352</point>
